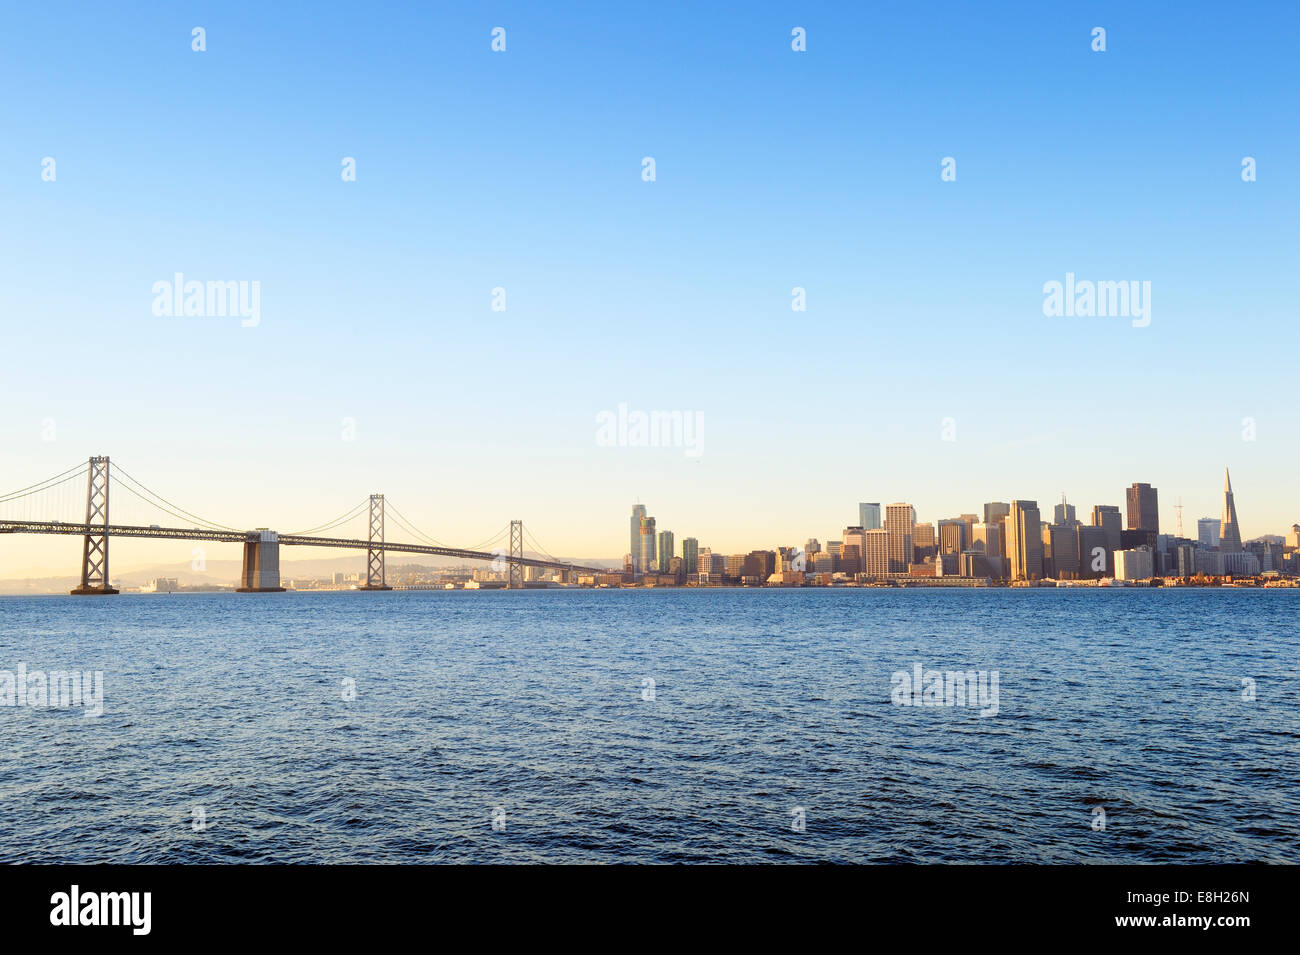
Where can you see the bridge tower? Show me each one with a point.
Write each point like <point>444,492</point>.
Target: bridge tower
<point>375,552</point>
<point>516,581</point>
<point>94,551</point>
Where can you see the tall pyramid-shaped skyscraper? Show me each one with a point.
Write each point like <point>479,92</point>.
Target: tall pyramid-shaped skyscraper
<point>1229,533</point>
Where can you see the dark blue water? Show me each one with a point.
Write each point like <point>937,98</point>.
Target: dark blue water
<point>765,702</point>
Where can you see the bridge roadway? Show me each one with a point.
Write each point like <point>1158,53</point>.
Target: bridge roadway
<point>250,537</point>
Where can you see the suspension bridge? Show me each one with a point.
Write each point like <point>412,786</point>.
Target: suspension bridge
<point>41,508</point>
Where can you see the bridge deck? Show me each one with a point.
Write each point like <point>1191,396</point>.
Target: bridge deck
<point>292,540</point>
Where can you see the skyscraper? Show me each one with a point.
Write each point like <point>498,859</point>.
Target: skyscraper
<point>954,536</point>
<point>691,555</point>
<point>994,511</point>
<point>634,548</point>
<point>1106,516</point>
<point>1207,532</point>
<point>875,556</point>
<point>851,560</point>
<point>1229,532</point>
<point>869,516</point>
<point>646,563</point>
<point>1143,513</point>
<point>899,520</point>
<point>1095,556</point>
<point>1060,551</point>
<point>1024,541</point>
<point>1064,513</point>
<point>667,549</point>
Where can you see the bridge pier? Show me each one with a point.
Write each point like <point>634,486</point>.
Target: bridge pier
<point>261,573</point>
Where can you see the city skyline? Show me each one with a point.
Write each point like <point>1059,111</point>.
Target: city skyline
<point>379,360</point>
<point>157,553</point>
<point>952,532</point>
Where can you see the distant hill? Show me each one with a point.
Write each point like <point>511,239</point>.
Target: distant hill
<point>226,572</point>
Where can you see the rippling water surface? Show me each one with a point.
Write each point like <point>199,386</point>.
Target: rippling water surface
<point>765,702</point>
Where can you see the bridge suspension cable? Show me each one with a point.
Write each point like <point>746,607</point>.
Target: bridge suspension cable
<point>175,510</point>
<point>540,549</point>
<point>63,477</point>
<point>330,525</point>
<point>406,524</point>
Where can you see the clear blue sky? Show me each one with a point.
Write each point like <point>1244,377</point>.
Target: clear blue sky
<point>775,169</point>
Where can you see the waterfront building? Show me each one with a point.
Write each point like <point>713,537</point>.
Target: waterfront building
<point>1240,564</point>
<point>1209,562</point>
<point>1135,564</point>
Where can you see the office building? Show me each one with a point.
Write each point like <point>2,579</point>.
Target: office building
<point>759,564</point>
<point>954,536</point>
<point>851,550</point>
<point>645,552</point>
<point>1107,517</point>
<point>691,556</point>
<point>994,511</point>
<point>1240,564</point>
<point>1229,532</point>
<point>667,549</point>
<point>1143,512</point>
<point>1135,564</point>
<point>986,539</point>
<point>1064,513</point>
<point>1060,552</point>
<point>1207,532</point>
<point>1096,557</point>
<point>1024,541</point>
<point>869,516</point>
<point>634,548</point>
<point>899,520</point>
<point>875,553</point>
